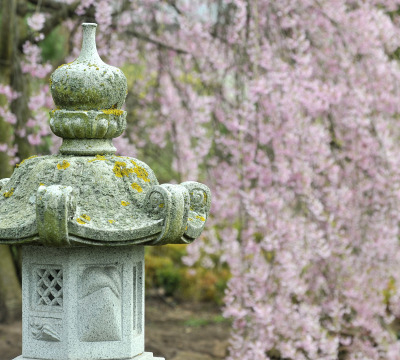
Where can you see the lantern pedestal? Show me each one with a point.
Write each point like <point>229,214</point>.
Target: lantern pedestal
<point>83,303</point>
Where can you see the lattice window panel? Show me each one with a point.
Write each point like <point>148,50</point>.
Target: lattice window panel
<point>49,287</point>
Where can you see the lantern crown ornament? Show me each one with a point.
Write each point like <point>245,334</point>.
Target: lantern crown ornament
<point>89,95</point>
<point>88,83</point>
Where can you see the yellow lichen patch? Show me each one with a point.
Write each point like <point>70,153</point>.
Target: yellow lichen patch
<point>140,171</point>
<point>113,112</point>
<point>8,194</point>
<point>41,184</point>
<point>136,187</point>
<point>65,65</point>
<point>111,221</point>
<point>124,203</point>
<point>31,157</point>
<point>85,217</point>
<point>98,157</point>
<point>65,164</point>
<point>120,169</point>
<point>200,217</point>
<point>161,206</point>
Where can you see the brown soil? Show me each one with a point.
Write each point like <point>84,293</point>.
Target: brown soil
<point>176,332</point>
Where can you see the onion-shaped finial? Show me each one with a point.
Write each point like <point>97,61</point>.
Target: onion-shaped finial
<point>89,95</point>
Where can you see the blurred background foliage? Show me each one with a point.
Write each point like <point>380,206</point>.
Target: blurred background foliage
<point>166,271</point>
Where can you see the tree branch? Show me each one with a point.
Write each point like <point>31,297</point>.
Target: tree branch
<point>23,9</point>
<point>172,3</point>
<point>48,4</point>
<point>156,42</point>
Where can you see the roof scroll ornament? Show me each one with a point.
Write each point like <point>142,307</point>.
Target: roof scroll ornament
<point>83,290</point>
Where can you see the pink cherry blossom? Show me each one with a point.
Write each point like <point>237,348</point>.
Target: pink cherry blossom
<point>36,21</point>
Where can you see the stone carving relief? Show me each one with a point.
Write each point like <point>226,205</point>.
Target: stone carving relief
<point>155,203</point>
<point>198,200</point>
<point>138,287</point>
<point>100,304</point>
<point>49,286</point>
<point>45,329</point>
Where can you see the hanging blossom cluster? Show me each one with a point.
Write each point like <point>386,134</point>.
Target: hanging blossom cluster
<point>312,158</point>
<point>9,117</point>
<point>36,21</point>
<point>289,111</point>
<point>40,101</point>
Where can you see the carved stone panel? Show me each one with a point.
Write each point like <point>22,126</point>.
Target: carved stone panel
<point>100,304</point>
<point>45,329</point>
<point>48,290</point>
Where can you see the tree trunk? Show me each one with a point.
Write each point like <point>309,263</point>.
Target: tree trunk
<point>7,46</point>
<point>10,288</point>
<point>20,84</point>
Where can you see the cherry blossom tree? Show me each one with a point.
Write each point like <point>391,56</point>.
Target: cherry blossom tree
<point>289,111</point>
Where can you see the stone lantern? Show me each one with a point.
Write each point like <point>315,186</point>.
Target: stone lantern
<point>83,217</point>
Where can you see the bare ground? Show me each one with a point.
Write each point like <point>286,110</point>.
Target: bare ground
<point>185,331</point>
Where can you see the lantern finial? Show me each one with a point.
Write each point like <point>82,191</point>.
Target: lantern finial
<point>89,95</point>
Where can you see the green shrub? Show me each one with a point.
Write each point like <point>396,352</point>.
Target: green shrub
<point>169,278</point>
<point>165,270</point>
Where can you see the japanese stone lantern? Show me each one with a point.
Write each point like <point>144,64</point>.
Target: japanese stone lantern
<point>83,217</point>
